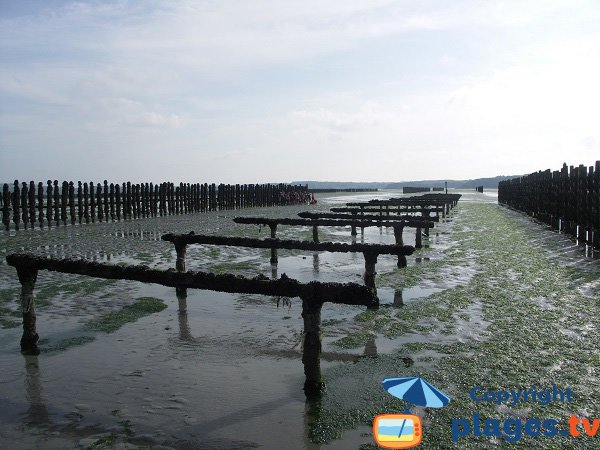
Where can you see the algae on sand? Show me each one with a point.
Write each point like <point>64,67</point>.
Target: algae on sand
<point>526,341</point>
<point>114,320</point>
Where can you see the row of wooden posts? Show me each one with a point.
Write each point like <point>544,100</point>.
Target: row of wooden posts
<point>568,199</point>
<point>57,204</point>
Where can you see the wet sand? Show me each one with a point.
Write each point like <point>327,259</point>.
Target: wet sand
<point>227,374</point>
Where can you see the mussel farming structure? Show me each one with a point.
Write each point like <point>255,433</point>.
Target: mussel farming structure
<point>567,200</point>
<point>313,294</point>
<point>57,204</point>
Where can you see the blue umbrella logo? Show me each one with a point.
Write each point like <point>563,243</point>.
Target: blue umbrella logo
<point>417,391</point>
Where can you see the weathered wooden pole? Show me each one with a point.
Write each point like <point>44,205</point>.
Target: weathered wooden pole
<point>56,203</point>
<point>134,203</point>
<point>181,250</point>
<point>311,353</point>
<point>24,205</point>
<point>128,201</point>
<point>92,202</point>
<point>72,213</point>
<point>40,197</point>
<point>418,238</point>
<point>106,203</point>
<point>86,206</point>
<point>64,197</point>
<point>49,198</point>
<point>6,206</point>
<point>27,277</point>
<point>398,301</point>
<point>370,273</point>
<point>155,201</point>
<point>111,199</point>
<point>99,202</point>
<point>315,230</point>
<point>398,230</point>
<point>32,204</point>
<point>118,201</point>
<point>80,207</point>
<point>16,200</point>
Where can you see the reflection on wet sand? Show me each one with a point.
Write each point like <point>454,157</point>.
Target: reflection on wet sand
<point>37,413</point>
<point>398,298</point>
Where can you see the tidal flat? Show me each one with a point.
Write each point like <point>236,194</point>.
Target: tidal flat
<point>493,299</point>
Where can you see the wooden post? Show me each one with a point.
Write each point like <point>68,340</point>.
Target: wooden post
<point>311,353</point>
<point>128,201</point>
<point>27,278</point>
<point>315,230</point>
<point>72,203</point>
<point>273,249</point>
<point>40,196</point>
<point>16,199</point>
<point>86,206</point>
<point>56,203</point>
<point>99,212</point>
<point>64,197</point>
<point>398,301</point>
<point>118,201</point>
<point>181,249</point>
<point>370,273</point>
<point>80,201</point>
<point>49,199</point>
<point>92,202</point>
<point>124,200</point>
<point>398,230</point>
<point>155,199</point>
<point>106,204</point>
<point>112,201</point>
<point>134,206</point>
<point>6,206</point>
<point>418,238</point>
<point>32,204</point>
<point>24,205</point>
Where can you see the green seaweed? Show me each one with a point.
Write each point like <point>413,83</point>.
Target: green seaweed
<point>526,296</point>
<point>114,320</point>
<point>64,344</point>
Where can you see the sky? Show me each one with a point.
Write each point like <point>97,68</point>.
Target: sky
<point>275,91</point>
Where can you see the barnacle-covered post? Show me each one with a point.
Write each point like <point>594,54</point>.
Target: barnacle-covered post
<point>311,353</point>
<point>64,200</point>
<point>32,204</point>
<point>181,292</point>
<point>24,205</point>
<point>370,262</point>
<point>16,200</point>
<point>398,229</point>
<point>6,206</point>
<point>56,193</point>
<point>72,202</point>
<point>27,278</point>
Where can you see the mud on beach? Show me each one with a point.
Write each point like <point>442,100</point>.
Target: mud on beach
<point>491,299</point>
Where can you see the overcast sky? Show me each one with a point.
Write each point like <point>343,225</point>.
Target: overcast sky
<point>258,91</point>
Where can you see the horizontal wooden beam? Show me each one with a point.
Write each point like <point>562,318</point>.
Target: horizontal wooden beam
<point>374,217</point>
<point>345,293</point>
<point>288,244</point>
<point>340,221</point>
